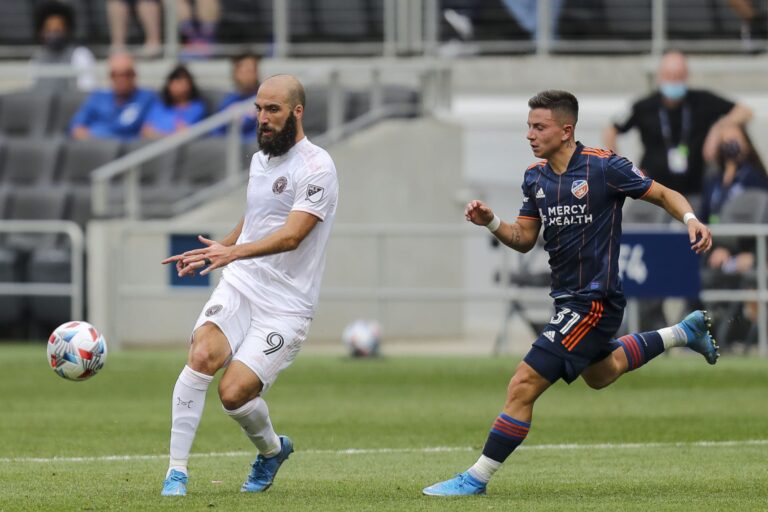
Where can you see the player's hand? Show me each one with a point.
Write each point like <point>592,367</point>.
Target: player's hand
<point>209,258</point>
<point>181,269</point>
<point>700,236</point>
<point>478,213</point>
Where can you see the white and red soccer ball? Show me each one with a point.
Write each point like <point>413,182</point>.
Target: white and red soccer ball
<point>362,338</point>
<point>76,350</point>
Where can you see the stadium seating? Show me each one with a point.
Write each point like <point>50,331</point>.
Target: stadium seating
<point>34,203</point>
<point>28,161</point>
<point>25,113</point>
<point>49,265</point>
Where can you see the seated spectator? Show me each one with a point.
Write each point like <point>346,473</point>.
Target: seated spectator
<point>732,261</point>
<point>198,30</point>
<point>116,113</point>
<point>245,75</point>
<point>739,168</point>
<point>180,105</point>
<point>149,13</point>
<point>54,24</point>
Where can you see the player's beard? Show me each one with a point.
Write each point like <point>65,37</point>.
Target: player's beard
<point>280,141</point>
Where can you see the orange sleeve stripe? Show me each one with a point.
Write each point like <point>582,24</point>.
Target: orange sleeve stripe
<point>653,182</point>
<point>528,218</point>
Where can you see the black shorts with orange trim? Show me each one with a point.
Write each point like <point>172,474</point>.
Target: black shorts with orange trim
<point>578,335</point>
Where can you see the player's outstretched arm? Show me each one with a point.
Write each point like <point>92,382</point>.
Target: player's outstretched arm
<point>182,269</point>
<point>679,208</point>
<point>216,255</point>
<point>520,236</point>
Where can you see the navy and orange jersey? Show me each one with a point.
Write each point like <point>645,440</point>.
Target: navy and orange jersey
<point>580,211</point>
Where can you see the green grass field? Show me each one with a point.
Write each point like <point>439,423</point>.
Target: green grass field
<point>642,444</point>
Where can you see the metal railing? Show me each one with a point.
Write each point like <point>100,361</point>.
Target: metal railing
<point>507,262</point>
<point>73,289</point>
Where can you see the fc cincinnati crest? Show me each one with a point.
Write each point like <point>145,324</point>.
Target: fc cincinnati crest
<point>279,185</point>
<point>579,188</point>
<point>315,193</point>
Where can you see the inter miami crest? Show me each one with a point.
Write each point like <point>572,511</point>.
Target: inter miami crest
<point>579,188</point>
<point>315,193</point>
<point>278,187</point>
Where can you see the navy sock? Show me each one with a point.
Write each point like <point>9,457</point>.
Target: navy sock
<point>506,434</point>
<point>641,348</point>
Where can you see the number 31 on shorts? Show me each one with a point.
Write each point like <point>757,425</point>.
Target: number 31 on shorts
<point>571,318</point>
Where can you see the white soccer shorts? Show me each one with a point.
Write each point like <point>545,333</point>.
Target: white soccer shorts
<point>265,343</point>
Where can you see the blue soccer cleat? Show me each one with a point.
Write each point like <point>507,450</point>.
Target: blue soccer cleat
<point>697,327</point>
<point>462,484</point>
<point>264,469</point>
<point>175,484</point>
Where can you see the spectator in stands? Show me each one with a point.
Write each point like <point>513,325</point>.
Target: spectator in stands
<point>739,168</point>
<point>149,13</point>
<point>199,30</point>
<point>245,75</point>
<point>54,24</point>
<point>116,113</point>
<point>731,263</point>
<point>679,127</point>
<point>179,106</point>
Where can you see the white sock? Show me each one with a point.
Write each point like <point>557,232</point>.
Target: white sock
<point>254,418</point>
<point>484,468</point>
<point>673,336</point>
<point>187,405</point>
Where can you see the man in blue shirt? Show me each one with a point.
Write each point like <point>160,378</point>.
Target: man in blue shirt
<point>576,194</point>
<point>245,74</point>
<point>118,113</point>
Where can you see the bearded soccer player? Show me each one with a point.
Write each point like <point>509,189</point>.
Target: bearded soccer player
<point>577,194</point>
<point>258,316</point>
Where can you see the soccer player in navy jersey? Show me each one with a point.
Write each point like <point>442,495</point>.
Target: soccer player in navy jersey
<point>576,193</point>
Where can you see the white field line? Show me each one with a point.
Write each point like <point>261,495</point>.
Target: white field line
<point>434,449</point>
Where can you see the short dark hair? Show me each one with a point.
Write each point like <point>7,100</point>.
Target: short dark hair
<point>245,55</point>
<point>561,102</point>
<point>180,71</point>
<point>53,8</point>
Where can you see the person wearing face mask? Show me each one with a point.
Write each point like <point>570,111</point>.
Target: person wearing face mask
<point>74,66</point>
<point>731,263</point>
<point>739,168</point>
<point>679,127</point>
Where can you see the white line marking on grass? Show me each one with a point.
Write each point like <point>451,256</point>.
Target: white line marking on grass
<point>432,449</point>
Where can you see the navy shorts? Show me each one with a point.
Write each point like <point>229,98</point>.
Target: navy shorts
<point>579,335</point>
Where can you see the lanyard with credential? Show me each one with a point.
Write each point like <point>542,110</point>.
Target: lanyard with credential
<point>677,155</point>
<point>666,128</point>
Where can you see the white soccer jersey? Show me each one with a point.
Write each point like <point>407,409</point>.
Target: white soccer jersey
<point>303,179</point>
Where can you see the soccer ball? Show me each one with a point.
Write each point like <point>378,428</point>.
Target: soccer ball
<point>76,350</point>
<point>362,338</point>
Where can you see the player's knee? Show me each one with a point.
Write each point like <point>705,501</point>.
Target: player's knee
<point>202,359</point>
<point>232,396</point>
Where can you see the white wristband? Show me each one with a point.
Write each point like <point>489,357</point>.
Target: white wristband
<point>688,216</point>
<point>494,224</point>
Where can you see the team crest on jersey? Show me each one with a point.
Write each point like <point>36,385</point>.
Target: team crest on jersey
<point>278,187</point>
<point>579,188</point>
<point>315,193</point>
<point>638,172</point>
